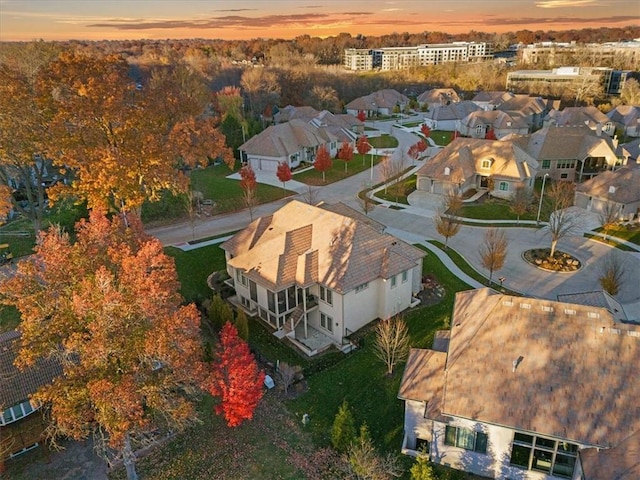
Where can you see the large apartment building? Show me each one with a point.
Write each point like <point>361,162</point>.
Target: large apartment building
<point>399,58</point>
<point>626,54</point>
<point>556,80</point>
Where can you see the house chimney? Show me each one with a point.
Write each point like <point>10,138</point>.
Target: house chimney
<point>599,130</point>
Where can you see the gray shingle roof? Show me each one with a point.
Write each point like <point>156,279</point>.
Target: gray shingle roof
<point>625,182</point>
<point>287,138</point>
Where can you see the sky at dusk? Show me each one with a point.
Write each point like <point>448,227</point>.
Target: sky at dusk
<point>246,19</point>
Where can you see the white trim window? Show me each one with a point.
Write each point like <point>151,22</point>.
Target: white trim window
<point>486,164</point>
<point>326,295</point>
<point>394,281</point>
<point>326,322</point>
<point>405,276</point>
<point>503,186</point>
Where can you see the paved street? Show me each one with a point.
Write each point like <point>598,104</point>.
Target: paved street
<point>416,222</point>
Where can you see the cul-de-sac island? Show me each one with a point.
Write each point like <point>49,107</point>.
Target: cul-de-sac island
<point>410,256</point>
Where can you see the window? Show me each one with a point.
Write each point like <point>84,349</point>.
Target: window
<point>393,282</point>
<point>564,175</point>
<point>326,295</point>
<point>466,438</point>
<point>405,276</point>
<point>16,412</point>
<point>253,290</point>
<point>362,287</point>
<point>546,164</point>
<point>503,186</point>
<point>241,278</point>
<point>326,322</point>
<point>566,164</point>
<point>486,164</point>
<point>543,455</point>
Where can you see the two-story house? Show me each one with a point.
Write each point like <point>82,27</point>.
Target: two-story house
<point>317,274</point>
<point>471,163</point>
<point>527,389</point>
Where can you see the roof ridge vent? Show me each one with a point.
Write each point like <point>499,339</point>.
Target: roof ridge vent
<point>525,305</point>
<point>569,311</point>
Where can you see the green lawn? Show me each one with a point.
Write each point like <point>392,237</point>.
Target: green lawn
<point>383,141</point>
<point>193,269</point>
<point>623,232</point>
<point>441,137</point>
<point>226,193</point>
<point>496,210</point>
<point>408,186</point>
<point>610,241</point>
<point>337,171</point>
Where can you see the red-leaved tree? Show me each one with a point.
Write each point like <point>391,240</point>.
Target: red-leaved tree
<point>490,135</point>
<point>235,379</point>
<point>284,174</point>
<point>323,161</point>
<point>363,146</point>
<point>249,187</point>
<point>346,153</point>
<point>361,115</point>
<point>426,131</point>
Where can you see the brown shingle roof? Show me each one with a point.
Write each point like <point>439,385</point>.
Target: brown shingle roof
<point>423,379</point>
<point>589,116</point>
<point>348,252</point>
<point>576,371</point>
<point>15,385</point>
<point>497,119</point>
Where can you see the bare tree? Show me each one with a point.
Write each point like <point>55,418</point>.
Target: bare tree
<point>612,272</point>
<point>609,215</point>
<point>366,203</point>
<point>445,220</point>
<point>288,374</point>
<point>392,342</point>
<point>562,222</point>
<point>493,250</point>
<point>311,195</point>
<point>521,201</point>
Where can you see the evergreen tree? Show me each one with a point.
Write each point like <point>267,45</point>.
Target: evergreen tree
<point>343,431</point>
<point>242,325</point>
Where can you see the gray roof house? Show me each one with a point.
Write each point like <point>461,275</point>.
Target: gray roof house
<point>492,99</point>
<point>619,188</point>
<point>437,97</point>
<point>570,153</point>
<point>626,118</point>
<point>448,117</point>
<point>527,389</point>
<point>574,116</point>
<point>381,102</point>
<point>478,123</point>
<point>294,142</point>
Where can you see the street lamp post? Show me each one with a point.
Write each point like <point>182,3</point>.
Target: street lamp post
<point>544,179</point>
<point>371,154</point>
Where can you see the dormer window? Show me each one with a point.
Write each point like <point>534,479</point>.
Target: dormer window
<point>486,164</point>
<point>447,171</point>
<point>612,189</point>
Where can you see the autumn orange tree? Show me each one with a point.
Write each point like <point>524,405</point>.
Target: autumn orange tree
<point>284,174</point>
<point>363,146</point>
<point>123,145</point>
<point>107,308</point>
<point>346,153</point>
<point>323,161</point>
<point>26,117</point>
<point>249,186</point>
<point>236,379</point>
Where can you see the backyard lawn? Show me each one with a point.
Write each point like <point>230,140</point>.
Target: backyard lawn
<point>441,137</point>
